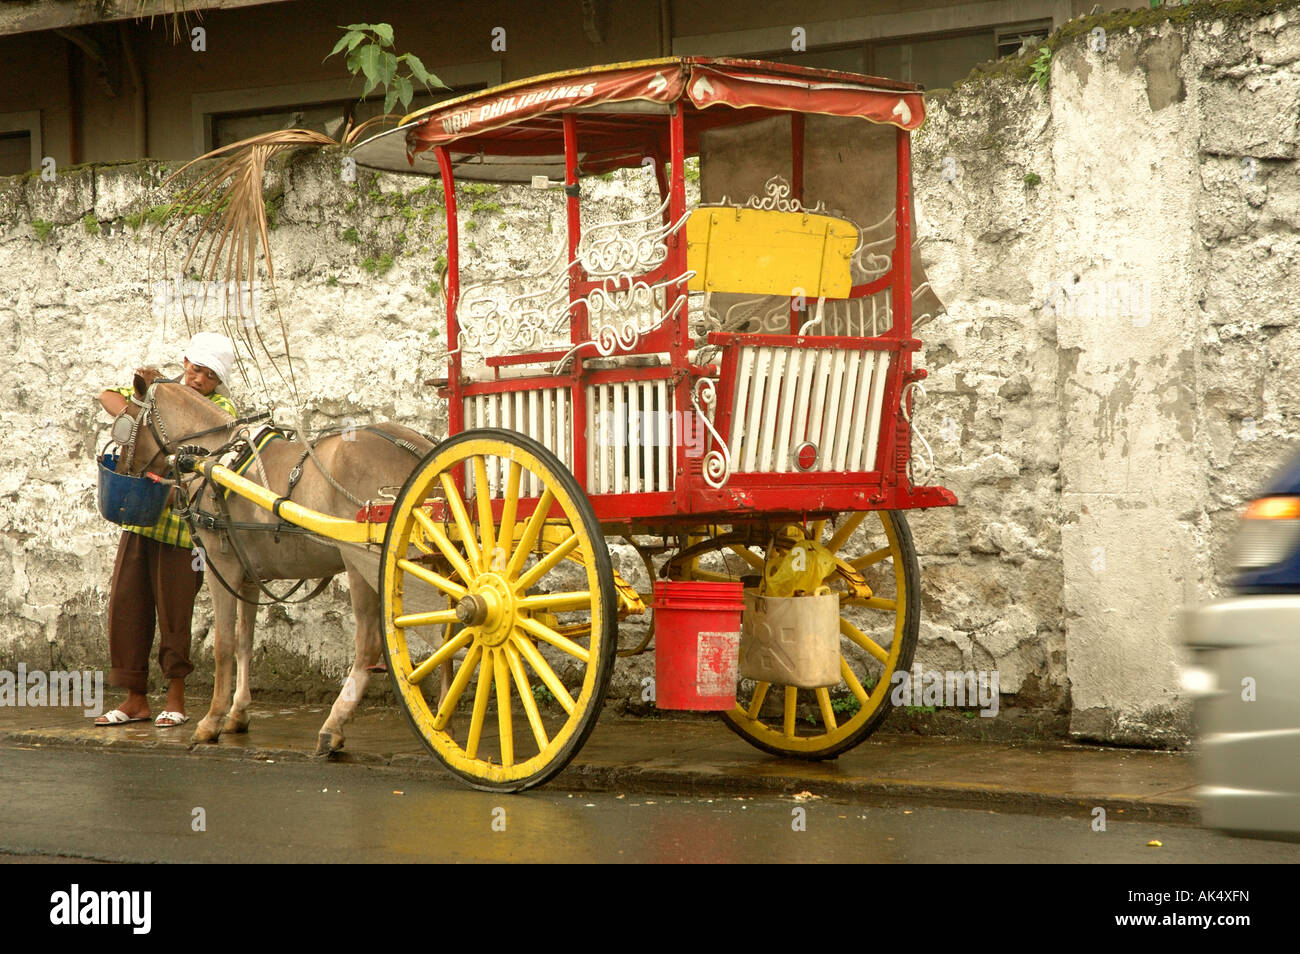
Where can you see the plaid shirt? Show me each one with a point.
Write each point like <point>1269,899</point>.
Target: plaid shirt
<point>170,528</point>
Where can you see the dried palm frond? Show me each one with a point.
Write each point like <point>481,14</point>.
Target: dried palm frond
<point>229,197</point>
<point>173,12</point>
<point>233,228</point>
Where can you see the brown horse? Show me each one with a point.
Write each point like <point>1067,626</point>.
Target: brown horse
<point>361,460</point>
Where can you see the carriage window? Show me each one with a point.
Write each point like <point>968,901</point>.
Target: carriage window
<point>1013,39</point>
<point>325,118</point>
<point>851,59</point>
<point>934,63</point>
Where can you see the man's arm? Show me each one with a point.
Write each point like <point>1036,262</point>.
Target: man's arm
<point>113,402</point>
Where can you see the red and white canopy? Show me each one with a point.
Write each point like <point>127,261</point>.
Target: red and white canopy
<point>514,131</point>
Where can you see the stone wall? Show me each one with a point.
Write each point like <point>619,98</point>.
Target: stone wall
<point>1109,383</point>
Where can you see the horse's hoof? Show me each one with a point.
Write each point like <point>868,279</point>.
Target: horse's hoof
<point>204,734</point>
<point>236,725</point>
<point>327,744</point>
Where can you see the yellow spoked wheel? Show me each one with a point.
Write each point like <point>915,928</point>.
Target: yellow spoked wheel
<point>498,609</point>
<point>878,632</point>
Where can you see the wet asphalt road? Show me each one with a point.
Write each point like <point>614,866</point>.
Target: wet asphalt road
<point>141,807</point>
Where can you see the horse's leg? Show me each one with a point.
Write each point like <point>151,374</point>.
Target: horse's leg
<point>237,721</point>
<point>365,607</point>
<point>224,608</point>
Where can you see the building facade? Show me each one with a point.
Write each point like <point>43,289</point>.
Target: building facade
<point>96,82</point>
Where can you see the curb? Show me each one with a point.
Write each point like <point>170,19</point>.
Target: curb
<point>582,776</point>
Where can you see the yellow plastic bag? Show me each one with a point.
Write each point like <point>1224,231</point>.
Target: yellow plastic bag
<point>799,571</point>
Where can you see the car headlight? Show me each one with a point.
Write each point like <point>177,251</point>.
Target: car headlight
<point>1197,681</point>
<point>1269,533</point>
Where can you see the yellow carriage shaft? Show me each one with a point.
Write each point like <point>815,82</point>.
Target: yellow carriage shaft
<point>351,531</point>
<point>334,528</point>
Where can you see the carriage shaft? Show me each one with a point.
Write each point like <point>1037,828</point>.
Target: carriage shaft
<point>334,528</point>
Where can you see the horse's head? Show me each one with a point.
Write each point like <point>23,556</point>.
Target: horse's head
<point>164,415</point>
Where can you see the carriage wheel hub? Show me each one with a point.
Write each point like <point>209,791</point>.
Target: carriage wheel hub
<point>491,607</point>
<point>471,610</point>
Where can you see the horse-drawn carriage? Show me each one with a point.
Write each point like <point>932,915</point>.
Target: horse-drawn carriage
<point>717,382</point>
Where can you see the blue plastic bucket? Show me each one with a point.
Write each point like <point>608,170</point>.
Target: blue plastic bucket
<point>129,501</point>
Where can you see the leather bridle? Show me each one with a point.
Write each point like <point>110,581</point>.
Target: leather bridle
<point>148,416</point>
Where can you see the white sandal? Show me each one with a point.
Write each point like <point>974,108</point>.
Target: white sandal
<point>118,717</point>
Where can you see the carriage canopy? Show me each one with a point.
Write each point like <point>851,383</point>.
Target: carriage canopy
<point>513,132</point>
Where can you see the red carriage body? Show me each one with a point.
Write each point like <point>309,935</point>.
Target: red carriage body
<point>615,403</point>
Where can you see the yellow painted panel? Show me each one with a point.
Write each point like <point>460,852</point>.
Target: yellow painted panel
<point>766,252</point>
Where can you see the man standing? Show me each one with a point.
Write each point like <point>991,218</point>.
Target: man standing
<point>155,575</point>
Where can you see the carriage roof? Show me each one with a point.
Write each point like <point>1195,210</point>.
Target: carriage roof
<point>512,132</point>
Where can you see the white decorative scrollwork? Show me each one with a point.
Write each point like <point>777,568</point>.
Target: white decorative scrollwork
<point>532,311</point>
<point>929,451</point>
<point>867,265</point>
<point>605,250</point>
<point>492,310</point>
<point>717,462</point>
<point>776,197</point>
<point>617,317</point>
<point>521,314</point>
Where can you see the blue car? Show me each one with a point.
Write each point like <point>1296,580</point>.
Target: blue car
<point>1245,673</point>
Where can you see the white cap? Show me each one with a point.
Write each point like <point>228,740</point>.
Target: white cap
<point>213,351</point>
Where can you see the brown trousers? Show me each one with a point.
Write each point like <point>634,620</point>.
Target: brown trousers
<point>151,580</point>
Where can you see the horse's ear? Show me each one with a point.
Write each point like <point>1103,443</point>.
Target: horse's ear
<point>143,378</point>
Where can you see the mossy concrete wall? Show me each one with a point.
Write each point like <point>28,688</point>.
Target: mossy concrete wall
<point>1112,378</point>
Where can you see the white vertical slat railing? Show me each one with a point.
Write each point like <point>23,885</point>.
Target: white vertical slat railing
<point>832,398</point>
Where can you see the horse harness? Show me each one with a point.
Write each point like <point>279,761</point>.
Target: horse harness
<point>240,452</point>
<point>148,416</point>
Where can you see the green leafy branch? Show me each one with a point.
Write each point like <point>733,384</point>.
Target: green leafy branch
<point>1041,70</point>
<point>368,46</point>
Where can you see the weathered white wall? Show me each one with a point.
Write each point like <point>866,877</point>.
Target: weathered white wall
<point>1112,378</point>
<point>1111,381</point>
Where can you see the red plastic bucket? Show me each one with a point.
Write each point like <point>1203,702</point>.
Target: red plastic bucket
<point>697,644</point>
